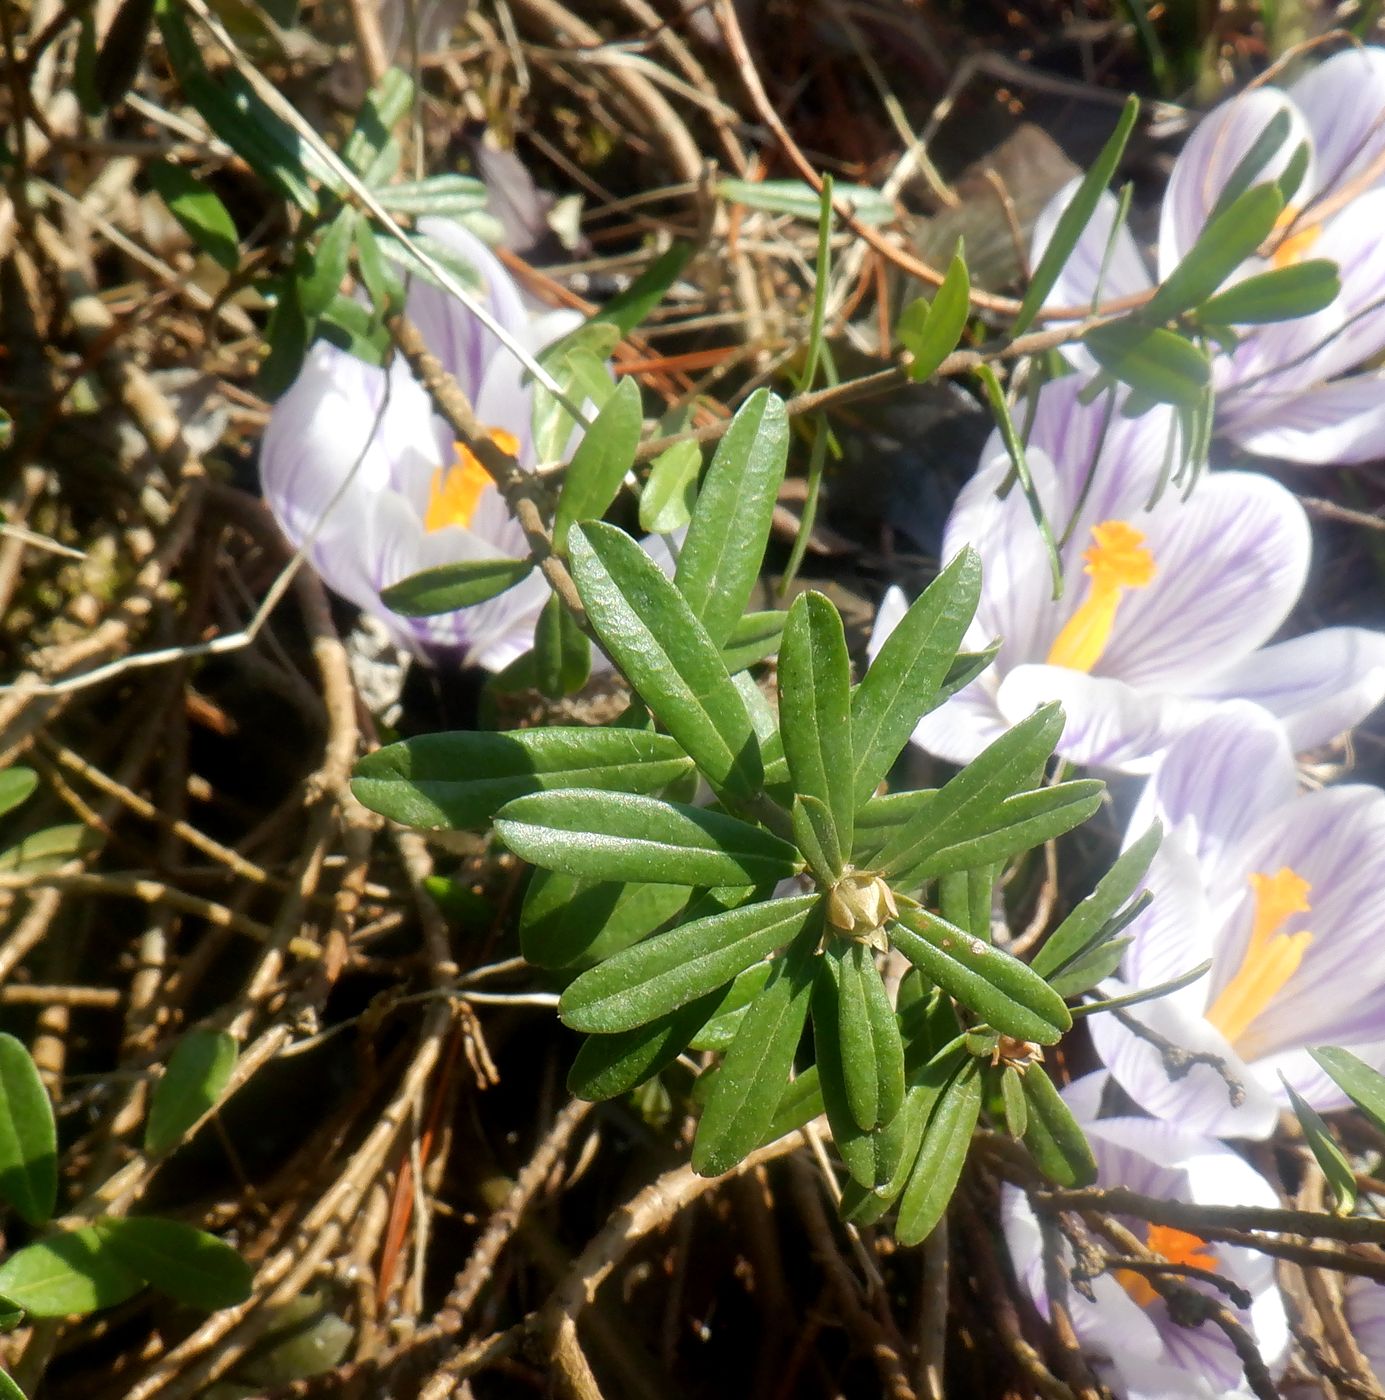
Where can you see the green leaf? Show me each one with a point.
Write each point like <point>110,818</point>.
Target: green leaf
<point>198,1072</point>
<point>1056,1142</point>
<point>720,1027</point>
<point>16,785</point>
<point>447,587</point>
<point>930,333</point>
<point>754,638</point>
<point>725,545</point>
<point>1227,239</point>
<point>666,503</point>
<point>461,780</point>
<point>321,279</point>
<point>881,818</point>
<point>189,1265</point>
<point>8,1389</point>
<point>619,836</point>
<point>680,965</point>
<point>965,899</point>
<point>1075,218</point>
<point>1014,1110</point>
<point>1282,294</point>
<point>1155,362</point>
<point>443,196</point>
<point>853,1142</point>
<point>966,805</point>
<point>566,921</point>
<point>1090,968</point>
<point>383,283</point>
<point>1327,1150</point>
<point>629,308</point>
<point>204,218</point>
<point>801,200</point>
<point>1089,922</point>
<point>999,989</point>
<point>605,454</point>
<point>562,654</point>
<point>750,1086</point>
<point>384,107</point>
<point>28,1138</point>
<point>1257,157</point>
<point>48,849</point>
<point>69,1274</point>
<point>815,835</point>
<point>815,712</point>
<point>872,1051</point>
<point>1162,989</point>
<point>577,364</point>
<point>1364,1086</point>
<point>942,1156</point>
<point>650,632</point>
<point>902,684</point>
<point>896,1148</point>
<point>607,1066</point>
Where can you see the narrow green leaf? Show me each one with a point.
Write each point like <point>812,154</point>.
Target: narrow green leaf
<point>16,785</point>
<point>1282,294</point>
<point>930,332</point>
<point>896,1148</point>
<point>1332,1161</point>
<point>673,664</point>
<point>1163,989</point>
<point>1015,1111</point>
<point>719,1029</point>
<point>605,454</point>
<point>1362,1084</point>
<point>28,1137</point>
<point>675,967</point>
<point>964,899</point>
<point>1075,218</point>
<point>198,1072</point>
<point>853,1142</point>
<point>666,503</point>
<point>67,1275</point>
<point>189,1265</point>
<point>798,198</point>
<point>462,779</point>
<point>997,988</point>
<point>815,835</point>
<point>942,1156</point>
<point>204,218</point>
<point>902,684</point>
<point>1251,165</point>
<point>629,308</point>
<point>872,1051</point>
<point>1088,923</point>
<point>9,1390</point>
<point>447,587</point>
<point>47,850</point>
<point>815,709</point>
<point>754,638</point>
<point>1089,969</point>
<point>1155,362</point>
<point>568,922</point>
<point>607,1066</point>
<point>443,196</point>
<point>879,820</point>
<point>322,279</point>
<point>382,281</point>
<point>384,106</point>
<point>1227,239</point>
<point>755,1073</point>
<point>725,545</point>
<point>1056,1142</point>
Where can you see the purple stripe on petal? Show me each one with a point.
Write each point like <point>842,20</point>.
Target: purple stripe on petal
<point>1343,102</point>
<point>1325,425</point>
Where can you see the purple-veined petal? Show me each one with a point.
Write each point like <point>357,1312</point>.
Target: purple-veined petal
<point>1198,1099</point>
<point>1324,425</point>
<point>1364,1301</point>
<point>1205,164</point>
<point>1309,1080</point>
<point>1343,103</point>
<point>1319,685</point>
<point>1081,280</point>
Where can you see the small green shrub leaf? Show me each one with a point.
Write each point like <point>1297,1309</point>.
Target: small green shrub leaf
<point>28,1137</point>
<point>198,1072</point>
<point>189,1265</point>
<point>66,1275</point>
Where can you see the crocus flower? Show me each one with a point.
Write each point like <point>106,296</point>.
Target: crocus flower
<point>1166,607</point>
<point>1286,390</point>
<point>1363,1301</point>
<point>1133,1343</point>
<point>355,461</point>
<point>1281,891</point>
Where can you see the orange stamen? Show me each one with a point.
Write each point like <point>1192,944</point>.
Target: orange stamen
<point>1118,560</point>
<point>1178,1247</point>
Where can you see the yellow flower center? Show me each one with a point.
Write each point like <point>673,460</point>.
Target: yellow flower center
<point>1296,246</point>
<point>1178,1247</point>
<point>456,491</point>
<point>1117,560</point>
<point>1271,957</point>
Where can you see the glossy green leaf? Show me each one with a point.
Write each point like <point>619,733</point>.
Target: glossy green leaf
<point>462,779</point>
<point>896,1148</point>
<point>197,1074</point>
<point>1256,160</point>
<point>942,1156</point>
<point>681,964</point>
<point>607,1066</point>
<point>28,1137</point>
<point>725,545</point>
<point>567,922</point>
<point>1089,923</point>
<point>447,587</point>
<point>719,1029</point>
<point>815,710</point>
<point>1075,218</point>
<point>1090,968</point>
<point>815,835</point>
<point>853,1142</point>
<point>562,654</point>
<point>605,454</point>
<point>872,1052</point>
<point>68,1274</point>
<point>930,331</point>
<point>16,786</point>
<point>965,899</point>
<point>675,667</point>
<point>1226,240</point>
<point>666,503</point>
<point>1282,294</point>
<point>999,989</point>
<point>1327,1151</point>
<point>1362,1084</point>
<point>1161,989</point>
<point>800,199</point>
<point>189,1265</point>
<point>879,820</point>
<point>204,218</point>
<point>1056,1142</point>
<point>801,1103</point>
<point>750,1087</point>
<point>1157,363</point>
<point>9,1390</point>
<point>1014,1111</point>
<point>754,638</point>
<point>903,682</point>
<point>966,805</point>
